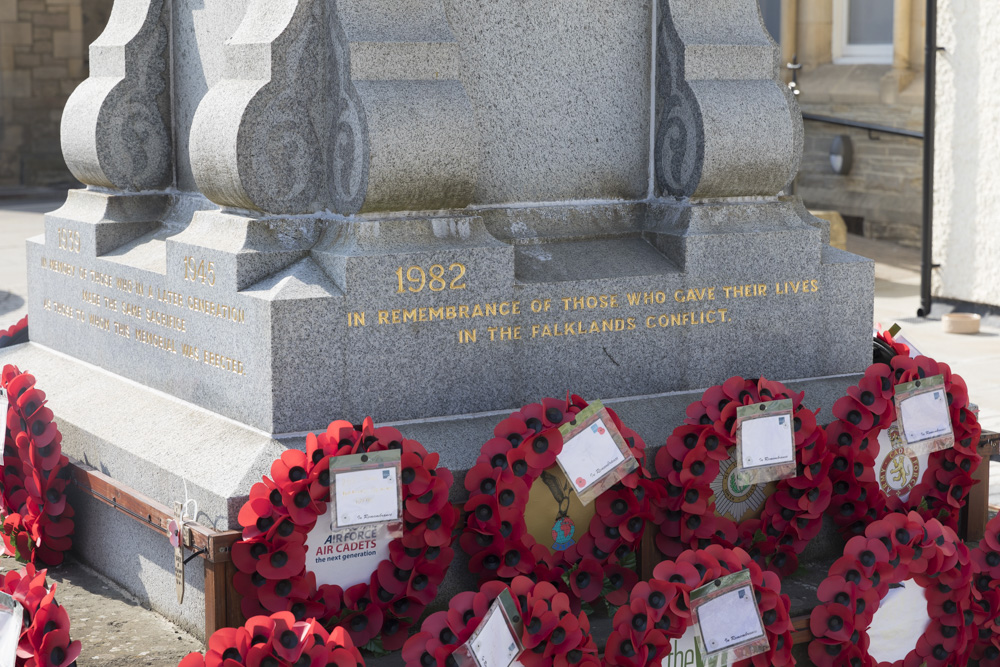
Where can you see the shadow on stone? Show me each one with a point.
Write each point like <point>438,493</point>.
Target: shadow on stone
<point>9,303</point>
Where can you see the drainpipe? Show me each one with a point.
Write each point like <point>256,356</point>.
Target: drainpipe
<point>930,78</point>
<point>789,35</point>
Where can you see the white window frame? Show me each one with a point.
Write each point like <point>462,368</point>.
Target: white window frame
<point>855,54</point>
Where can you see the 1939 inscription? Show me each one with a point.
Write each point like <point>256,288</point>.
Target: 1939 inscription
<point>69,240</point>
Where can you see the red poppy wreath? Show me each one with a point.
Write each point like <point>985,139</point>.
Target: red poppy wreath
<point>37,520</point>
<point>865,423</point>
<point>15,335</point>
<point>45,640</point>
<point>701,496</point>
<point>278,641</point>
<point>892,550</point>
<point>278,538</point>
<point>986,596</point>
<point>553,634</point>
<point>517,470</point>
<point>660,609</point>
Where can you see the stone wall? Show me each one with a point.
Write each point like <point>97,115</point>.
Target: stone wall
<point>886,182</point>
<point>967,152</point>
<point>43,57</point>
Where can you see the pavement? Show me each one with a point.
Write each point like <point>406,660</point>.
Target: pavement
<point>113,628</point>
<point>116,630</point>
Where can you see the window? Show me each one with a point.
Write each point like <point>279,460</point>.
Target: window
<point>771,10</point>
<point>862,31</point>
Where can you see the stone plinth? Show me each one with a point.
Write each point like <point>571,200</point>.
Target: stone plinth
<point>430,214</point>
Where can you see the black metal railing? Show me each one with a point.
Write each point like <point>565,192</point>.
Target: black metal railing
<point>861,125</point>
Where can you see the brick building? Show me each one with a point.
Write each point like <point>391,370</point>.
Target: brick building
<point>43,57</point>
<point>861,60</point>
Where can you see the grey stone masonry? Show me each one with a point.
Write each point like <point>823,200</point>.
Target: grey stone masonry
<point>423,211</point>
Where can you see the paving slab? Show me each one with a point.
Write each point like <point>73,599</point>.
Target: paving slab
<point>115,630</point>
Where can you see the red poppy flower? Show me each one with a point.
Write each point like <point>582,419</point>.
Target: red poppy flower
<point>618,582</point>
<point>587,580</point>
<point>494,453</point>
<point>833,621</point>
<point>540,450</point>
<point>279,595</point>
<point>57,650</point>
<point>869,553</point>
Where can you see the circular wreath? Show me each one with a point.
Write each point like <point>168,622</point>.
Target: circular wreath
<point>553,634</point>
<point>37,520</point>
<point>278,640</point>
<point>691,460</point>
<point>15,335</point>
<point>986,596</point>
<point>601,562</point>
<point>892,550</point>
<point>660,609</point>
<point>866,411</point>
<point>45,637</point>
<point>283,509</point>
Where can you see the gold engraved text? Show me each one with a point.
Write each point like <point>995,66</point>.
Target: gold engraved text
<point>195,270</point>
<point>436,278</point>
<point>69,240</point>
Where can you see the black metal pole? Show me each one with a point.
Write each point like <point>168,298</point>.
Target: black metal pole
<point>930,79</point>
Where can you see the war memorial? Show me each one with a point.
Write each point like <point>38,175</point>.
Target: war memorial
<point>431,213</point>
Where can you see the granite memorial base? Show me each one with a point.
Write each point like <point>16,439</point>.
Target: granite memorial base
<point>430,212</point>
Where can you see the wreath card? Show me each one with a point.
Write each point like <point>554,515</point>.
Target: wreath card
<point>924,417</point>
<point>729,622</point>
<point>496,642</point>
<point>595,455</point>
<point>765,442</point>
<point>367,489</point>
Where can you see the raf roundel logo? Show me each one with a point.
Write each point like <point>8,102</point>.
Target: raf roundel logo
<point>899,472</point>
<point>562,533</point>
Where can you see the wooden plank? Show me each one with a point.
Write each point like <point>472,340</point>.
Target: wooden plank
<point>649,556</point>
<point>977,509</point>
<point>801,634</point>
<point>234,612</point>
<point>989,443</point>
<point>217,587</point>
<point>216,545</point>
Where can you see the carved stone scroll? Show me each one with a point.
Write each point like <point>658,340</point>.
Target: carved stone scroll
<point>116,125</point>
<point>725,125</point>
<point>345,106</point>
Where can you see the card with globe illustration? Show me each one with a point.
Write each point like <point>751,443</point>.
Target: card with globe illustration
<point>594,455</point>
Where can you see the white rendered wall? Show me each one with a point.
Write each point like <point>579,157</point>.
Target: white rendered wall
<point>967,162</point>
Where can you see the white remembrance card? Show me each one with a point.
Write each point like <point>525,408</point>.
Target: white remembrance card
<point>590,455</point>
<point>729,620</point>
<point>11,617</point>
<point>768,441</point>
<point>494,645</point>
<point>925,416</point>
<point>367,496</point>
